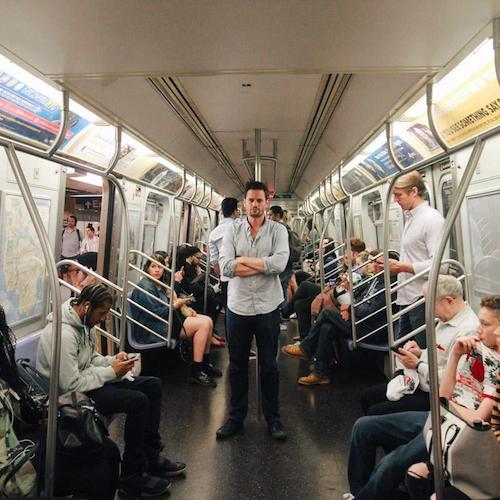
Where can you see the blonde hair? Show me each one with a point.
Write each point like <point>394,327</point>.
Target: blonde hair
<point>409,181</point>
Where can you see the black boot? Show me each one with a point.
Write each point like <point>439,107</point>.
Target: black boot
<point>209,368</point>
<point>200,376</point>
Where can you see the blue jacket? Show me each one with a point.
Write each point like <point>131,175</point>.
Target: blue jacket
<point>141,335</point>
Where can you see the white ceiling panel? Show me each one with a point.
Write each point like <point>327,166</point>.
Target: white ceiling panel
<point>135,103</point>
<point>193,37</point>
<point>364,104</point>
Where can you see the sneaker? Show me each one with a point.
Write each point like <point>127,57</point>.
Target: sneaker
<point>283,327</point>
<point>313,379</point>
<point>163,467</point>
<point>200,377</point>
<point>211,370</point>
<point>348,496</point>
<point>252,355</point>
<point>294,351</point>
<point>144,485</point>
<point>293,316</point>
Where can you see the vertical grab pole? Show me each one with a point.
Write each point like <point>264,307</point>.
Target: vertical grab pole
<point>349,227</point>
<point>387,274</point>
<point>126,248</point>
<point>258,177</point>
<point>429,316</point>
<point>208,266</point>
<point>172,274</point>
<point>56,322</point>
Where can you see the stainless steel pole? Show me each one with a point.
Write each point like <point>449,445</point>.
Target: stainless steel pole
<point>124,262</point>
<point>258,144</point>
<point>56,317</point>
<point>437,450</point>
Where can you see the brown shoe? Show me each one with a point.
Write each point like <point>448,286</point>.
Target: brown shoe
<point>294,351</point>
<point>313,379</point>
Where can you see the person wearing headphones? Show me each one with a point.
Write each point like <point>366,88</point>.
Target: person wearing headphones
<point>144,469</point>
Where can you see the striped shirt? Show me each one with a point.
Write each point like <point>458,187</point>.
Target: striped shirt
<point>495,416</point>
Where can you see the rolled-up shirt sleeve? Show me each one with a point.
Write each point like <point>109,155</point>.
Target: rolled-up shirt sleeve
<point>227,256</point>
<point>276,263</point>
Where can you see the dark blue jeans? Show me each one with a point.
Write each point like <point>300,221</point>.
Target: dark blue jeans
<point>319,343</point>
<point>412,320</point>
<point>400,434</point>
<point>140,400</point>
<point>241,329</point>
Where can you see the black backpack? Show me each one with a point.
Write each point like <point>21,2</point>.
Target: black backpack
<point>295,245</point>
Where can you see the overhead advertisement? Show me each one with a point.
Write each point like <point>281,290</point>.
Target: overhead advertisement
<point>469,103</point>
<point>28,113</point>
<point>379,163</point>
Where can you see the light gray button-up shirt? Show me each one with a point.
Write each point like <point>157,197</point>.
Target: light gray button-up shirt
<point>421,236</point>
<point>261,293</point>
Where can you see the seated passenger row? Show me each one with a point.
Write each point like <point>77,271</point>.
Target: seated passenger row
<point>468,353</point>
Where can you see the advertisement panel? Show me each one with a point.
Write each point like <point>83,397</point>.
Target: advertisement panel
<point>28,113</point>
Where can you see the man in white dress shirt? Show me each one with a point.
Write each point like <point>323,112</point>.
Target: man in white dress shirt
<point>230,213</point>
<point>421,236</point>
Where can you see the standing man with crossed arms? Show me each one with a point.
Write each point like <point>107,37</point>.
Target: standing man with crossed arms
<point>253,254</point>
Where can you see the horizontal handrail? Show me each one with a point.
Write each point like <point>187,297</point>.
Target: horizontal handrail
<point>112,311</point>
<point>367,280</point>
<point>69,262</point>
<point>147,275</point>
<point>147,311</point>
<point>149,294</point>
<point>132,320</point>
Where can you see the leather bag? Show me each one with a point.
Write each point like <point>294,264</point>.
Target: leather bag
<point>471,455</point>
<point>81,429</point>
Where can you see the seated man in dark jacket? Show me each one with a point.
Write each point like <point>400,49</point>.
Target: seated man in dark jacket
<point>330,325</point>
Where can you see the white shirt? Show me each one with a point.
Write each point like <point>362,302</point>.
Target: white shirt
<point>421,236</point>
<point>90,245</point>
<point>463,324</point>
<point>215,241</point>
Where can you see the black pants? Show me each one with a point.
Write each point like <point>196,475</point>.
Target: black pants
<point>241,329</point>
<point>375,402</point>
<point>93,480</point>
<point>301,305</point>
<point>140,400</point>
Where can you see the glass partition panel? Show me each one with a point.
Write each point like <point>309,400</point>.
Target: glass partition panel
<point>29,107</point>
<point>467,99</point>
<point>412,138</point>
<point>484,238</point>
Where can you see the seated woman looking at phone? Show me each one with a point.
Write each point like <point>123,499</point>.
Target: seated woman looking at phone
<point>186,321</point>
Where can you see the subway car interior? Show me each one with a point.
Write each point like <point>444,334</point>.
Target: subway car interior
<point>123,127</point>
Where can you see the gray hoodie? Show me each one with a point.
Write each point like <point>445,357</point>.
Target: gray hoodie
<point>82,368</point>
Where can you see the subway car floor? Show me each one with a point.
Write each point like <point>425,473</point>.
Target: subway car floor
<point>310,464</point>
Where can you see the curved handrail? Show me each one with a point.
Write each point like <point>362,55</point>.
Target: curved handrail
<point>56,315</point>
<point>429,314</point>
